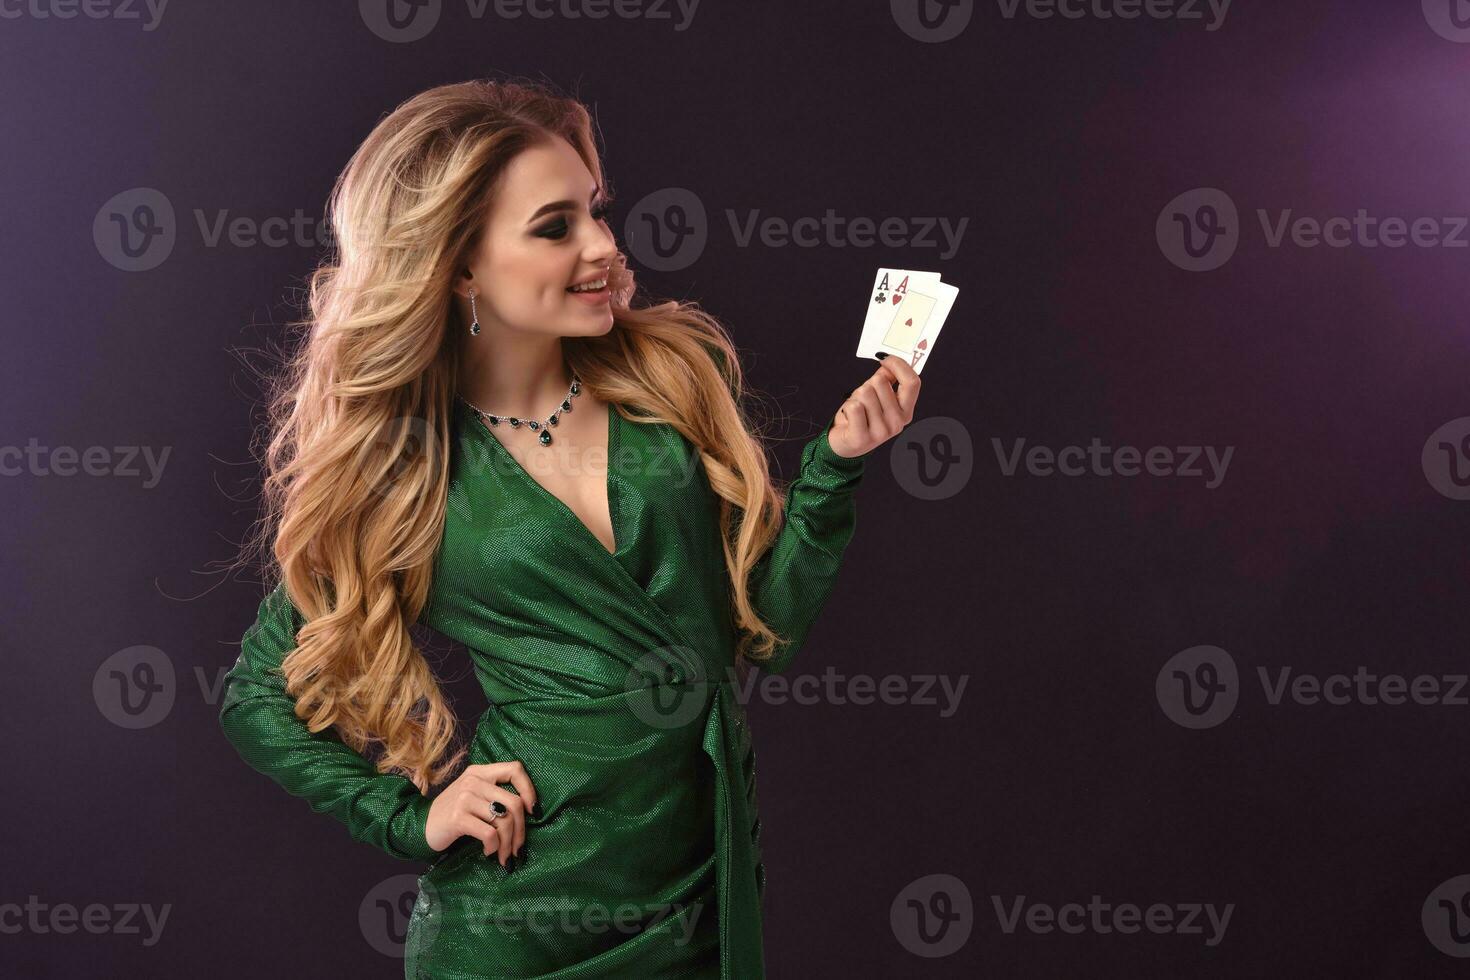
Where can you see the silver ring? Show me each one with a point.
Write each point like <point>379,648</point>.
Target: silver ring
<point>497,810</point>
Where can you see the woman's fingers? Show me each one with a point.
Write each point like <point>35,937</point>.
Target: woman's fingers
<point>475,822</point>
<point>908,380</point>
<point>514,773</point>
<point>510,826</point>
<point>892,411</point>
<point>867,393</point>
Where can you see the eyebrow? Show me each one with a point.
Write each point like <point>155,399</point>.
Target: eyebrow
<point>562,205</point>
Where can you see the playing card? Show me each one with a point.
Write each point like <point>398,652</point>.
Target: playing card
<point>910,326</point>
<point>890,288</point>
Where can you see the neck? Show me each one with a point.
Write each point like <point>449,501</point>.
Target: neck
<point>525,377</point>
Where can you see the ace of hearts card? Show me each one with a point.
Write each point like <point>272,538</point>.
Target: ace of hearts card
<point>906,311</point>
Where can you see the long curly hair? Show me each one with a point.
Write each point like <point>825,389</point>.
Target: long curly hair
<point>354,506</point>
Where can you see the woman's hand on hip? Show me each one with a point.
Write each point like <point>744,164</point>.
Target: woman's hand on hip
<point>466,807</point>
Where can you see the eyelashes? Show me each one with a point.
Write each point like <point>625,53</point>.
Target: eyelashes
<point>558,228</point>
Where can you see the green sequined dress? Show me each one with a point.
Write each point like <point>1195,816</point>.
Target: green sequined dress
<point>610,676</point>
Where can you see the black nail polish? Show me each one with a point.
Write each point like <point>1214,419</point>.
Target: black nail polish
<point>881,354</point>
<point>521,854</point>
<point>536,810</point>
<point>510,863</point>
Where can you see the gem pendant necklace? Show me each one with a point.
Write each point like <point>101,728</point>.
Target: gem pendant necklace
<point>544,428</point>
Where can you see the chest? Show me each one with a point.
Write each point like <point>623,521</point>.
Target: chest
<point>525,561</point>
<point>577,477</point>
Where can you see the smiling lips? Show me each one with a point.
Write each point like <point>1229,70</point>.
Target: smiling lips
<point>592,292</point>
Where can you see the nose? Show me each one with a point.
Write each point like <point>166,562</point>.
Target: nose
<point>602,246</point>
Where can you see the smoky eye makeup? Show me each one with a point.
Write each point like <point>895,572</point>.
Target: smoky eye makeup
<point>557,228</point>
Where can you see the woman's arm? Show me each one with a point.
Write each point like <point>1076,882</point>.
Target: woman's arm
<point>259,718</point>
<point>791,582</point>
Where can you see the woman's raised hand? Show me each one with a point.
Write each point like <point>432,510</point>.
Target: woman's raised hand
<point>465,807</point>
<point>875,412</point>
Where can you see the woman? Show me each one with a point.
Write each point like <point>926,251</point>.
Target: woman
<point>482,435</point>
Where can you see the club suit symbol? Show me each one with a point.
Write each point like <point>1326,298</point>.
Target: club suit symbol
<point>1445,459</point>
<point>932,916</point>
<point>1445,917</point>
<point>135,229</point>
<point>1198,687</point>
<point>667,229</point>
<point>1199,230</point>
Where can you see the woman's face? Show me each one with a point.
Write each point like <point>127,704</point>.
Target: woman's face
<point>546,231</point>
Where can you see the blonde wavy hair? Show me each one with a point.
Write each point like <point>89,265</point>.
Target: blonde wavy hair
<point>355,506</point>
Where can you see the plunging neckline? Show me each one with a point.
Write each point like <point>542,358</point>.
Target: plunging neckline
<point>608,487</point>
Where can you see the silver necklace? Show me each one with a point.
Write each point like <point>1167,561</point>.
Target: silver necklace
<point>542,427</point>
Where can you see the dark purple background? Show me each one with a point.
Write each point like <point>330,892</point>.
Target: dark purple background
<point>1059,777</point>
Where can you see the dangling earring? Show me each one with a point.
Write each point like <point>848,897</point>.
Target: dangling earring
<point>475,326</point>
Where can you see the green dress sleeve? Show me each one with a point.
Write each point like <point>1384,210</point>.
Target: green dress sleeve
<point>258,717</point>
<point>791,582</point>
